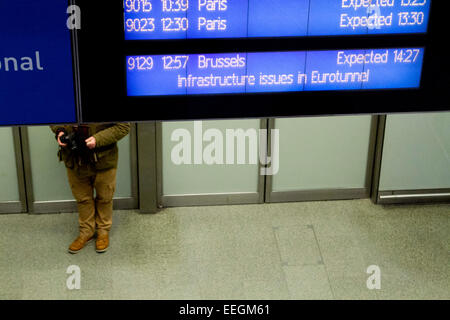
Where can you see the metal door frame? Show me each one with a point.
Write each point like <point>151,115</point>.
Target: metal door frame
<point>205,199</point>
<point>19,206</point>
<point>327,194</point>
<point>400,196</point>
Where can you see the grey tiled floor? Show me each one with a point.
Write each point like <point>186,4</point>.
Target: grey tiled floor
<point>310,250</point>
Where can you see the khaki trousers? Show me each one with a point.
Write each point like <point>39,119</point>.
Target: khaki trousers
<point>94,214</point>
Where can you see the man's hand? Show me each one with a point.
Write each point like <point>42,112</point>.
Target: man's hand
<point>91,142</point>
<point>59,141</point>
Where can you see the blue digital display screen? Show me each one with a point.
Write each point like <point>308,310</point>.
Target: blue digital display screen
<point>36,74</point>
<point>196,19</point>
<point>290,71</point>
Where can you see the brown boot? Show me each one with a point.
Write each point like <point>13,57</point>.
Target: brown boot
<point>102,243</point>
<point>79,244</point>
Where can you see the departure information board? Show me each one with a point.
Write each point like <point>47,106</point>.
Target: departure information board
<point>274,71</point>
<point>147,60</point>
<point>197,19</point>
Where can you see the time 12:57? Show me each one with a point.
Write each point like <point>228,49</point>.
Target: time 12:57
<point>175,62</point>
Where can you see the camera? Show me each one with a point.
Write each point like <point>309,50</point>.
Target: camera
<point>73,141</point>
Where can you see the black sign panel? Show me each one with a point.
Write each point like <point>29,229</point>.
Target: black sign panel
<point>144,60</point>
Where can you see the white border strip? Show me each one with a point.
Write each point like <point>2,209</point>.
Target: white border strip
<point>423,195</point>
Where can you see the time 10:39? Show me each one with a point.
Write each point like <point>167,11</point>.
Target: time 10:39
<point>175,5</point>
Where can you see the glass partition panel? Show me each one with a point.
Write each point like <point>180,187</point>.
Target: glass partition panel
<point>49,175</point>
<point>195,175</point>
<point>322,153</point>
<point>123,186</point>
<point>9,187</point>
<point>416,152</point>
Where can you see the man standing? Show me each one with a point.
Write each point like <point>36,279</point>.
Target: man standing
<point>91,155</point>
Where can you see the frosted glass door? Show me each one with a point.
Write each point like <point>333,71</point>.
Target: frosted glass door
<point>416,152</point>
<point>204,178</point>
<point>9,188</point>
<point>49,175</point>
<point>322,153</point>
